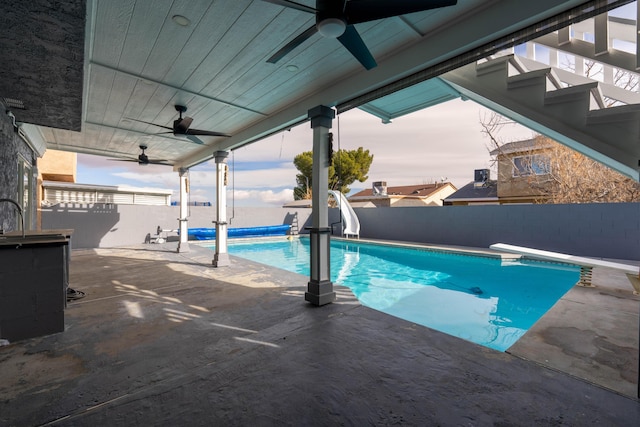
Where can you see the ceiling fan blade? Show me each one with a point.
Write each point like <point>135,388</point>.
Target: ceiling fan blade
<point>159,162</point>
<point>370,10</point>
<point>149,123</point>
<point>301,38</point>
<point>181,126</point>
<point>152,162</point>
<point>194,139</point>
<point>292,5</point>
<point>204,133</point>
<point>354,44</point>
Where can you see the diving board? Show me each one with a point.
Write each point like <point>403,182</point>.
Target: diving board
<point>586,264</point>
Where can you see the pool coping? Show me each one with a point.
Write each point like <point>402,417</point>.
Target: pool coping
<point>445,249</point>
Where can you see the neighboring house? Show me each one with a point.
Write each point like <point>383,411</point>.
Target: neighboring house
<point>408,195</point>
<point>57,184</point>
<point>58,166</point>
<point>482,191</point>
<point>63,192</point>
<point>521,164</point>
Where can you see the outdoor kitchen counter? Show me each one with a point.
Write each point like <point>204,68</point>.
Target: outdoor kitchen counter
<point>35,237</point>
<point>34,272</point>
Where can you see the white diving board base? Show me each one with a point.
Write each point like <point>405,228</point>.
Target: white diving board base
<point>586,264</point>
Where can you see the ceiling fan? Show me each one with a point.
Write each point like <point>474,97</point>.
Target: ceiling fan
<point>144,160</point>
<point>181,127</point>
<point>336,19</point>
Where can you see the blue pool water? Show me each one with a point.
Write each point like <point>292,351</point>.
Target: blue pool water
<point>484,300</point>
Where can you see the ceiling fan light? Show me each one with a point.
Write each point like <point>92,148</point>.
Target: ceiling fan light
<point>331,27</point>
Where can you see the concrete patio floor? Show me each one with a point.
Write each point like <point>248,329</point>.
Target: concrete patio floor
<point>164,339</point>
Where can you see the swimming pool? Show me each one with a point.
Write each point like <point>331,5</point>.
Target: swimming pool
<point>480,299</point>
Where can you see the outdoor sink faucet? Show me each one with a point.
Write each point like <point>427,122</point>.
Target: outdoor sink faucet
<point>19,211</point>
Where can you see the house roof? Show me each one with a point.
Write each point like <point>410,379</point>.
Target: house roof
<point>470,192</point>
<point>420,190</point>
<point>520,146</point>
<point>74,186</point>
<point>304,203</point>
<point>362,204</point>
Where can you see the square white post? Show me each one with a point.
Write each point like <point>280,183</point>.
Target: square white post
<point>320,288</point>
<point>221,258</point>
<point>183,227</point>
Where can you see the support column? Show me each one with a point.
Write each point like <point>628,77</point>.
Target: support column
<point>221,258</point>
<point>183,226</point>
<point>320,288</point>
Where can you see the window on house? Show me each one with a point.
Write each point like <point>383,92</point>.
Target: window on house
<point>536,164</point>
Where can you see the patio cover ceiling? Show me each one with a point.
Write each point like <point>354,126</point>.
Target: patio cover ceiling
<point>88,74</point>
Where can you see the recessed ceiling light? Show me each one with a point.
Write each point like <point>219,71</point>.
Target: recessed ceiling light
<point>292,68</point>
<point>183,21</point>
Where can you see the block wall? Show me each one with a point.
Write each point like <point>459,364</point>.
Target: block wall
<point>605,230</point>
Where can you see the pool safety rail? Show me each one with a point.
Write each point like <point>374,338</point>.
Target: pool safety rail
<point>586,264</point>
<point>261,231</point>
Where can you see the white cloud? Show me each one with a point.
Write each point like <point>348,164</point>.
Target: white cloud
<point>200,178</point>
<point>200,195</point>
<point>269,197</point>
<point>282,176</point>
<point>166,179</point>
<point>280,147</point>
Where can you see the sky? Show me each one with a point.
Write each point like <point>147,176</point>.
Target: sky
<point>440,143</point>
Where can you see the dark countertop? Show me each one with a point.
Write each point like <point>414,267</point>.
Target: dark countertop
<point>35,237</point>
